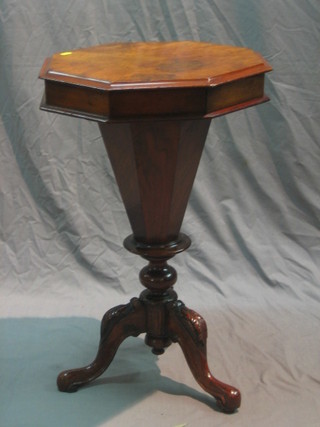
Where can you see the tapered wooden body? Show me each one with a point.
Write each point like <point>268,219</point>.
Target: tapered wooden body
<point>154,102</point>
<point>155,163</point>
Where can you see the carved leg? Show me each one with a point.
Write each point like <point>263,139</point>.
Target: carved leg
<point>189,329</point>
<point>117,324</point>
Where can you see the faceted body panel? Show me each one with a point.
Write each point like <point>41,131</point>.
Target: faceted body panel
<point>155,164</point>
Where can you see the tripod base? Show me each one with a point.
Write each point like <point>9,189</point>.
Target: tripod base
<point>164,319</point>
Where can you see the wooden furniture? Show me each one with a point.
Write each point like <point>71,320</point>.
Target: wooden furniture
<point>154,103</point>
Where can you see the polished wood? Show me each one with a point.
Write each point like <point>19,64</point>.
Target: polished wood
<point>140,80</point>
<point>155,163</point>
<point>154,103</point>
<point>165,320</point>
<point>153,64</point>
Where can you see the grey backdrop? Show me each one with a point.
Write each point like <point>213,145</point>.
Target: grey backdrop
<point>252,270</point>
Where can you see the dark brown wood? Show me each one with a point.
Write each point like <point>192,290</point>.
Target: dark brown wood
<point>165,320</point>
<point>155,163</point>
<point>154,103</point>
<point>189,329</point>
<point>117,324</point>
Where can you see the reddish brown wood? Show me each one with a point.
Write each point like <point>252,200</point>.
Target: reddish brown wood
<point>145,80</point>
<point>154,102</point>
<point>147,65</point>
<point>189,329</point>
<point>155,163</point>
<point>117,324</point>
<point>165,320</point>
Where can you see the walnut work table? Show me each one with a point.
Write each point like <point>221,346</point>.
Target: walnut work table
<point>154,103</point>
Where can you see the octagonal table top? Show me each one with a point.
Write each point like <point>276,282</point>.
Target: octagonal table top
<point>122,80</point>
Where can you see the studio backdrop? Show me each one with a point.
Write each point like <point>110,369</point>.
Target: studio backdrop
<point>252,270</point>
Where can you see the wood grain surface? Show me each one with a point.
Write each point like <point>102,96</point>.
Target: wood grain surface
<point>130,80</point>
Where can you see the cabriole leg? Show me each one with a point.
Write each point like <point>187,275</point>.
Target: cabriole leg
<point>189,329</point>
<point>117,324</point>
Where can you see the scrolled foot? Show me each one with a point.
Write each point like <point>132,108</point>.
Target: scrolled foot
<point>70,381</point>
<point>117,324</point>
<point>230,401</point>
<point>189,329</point>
